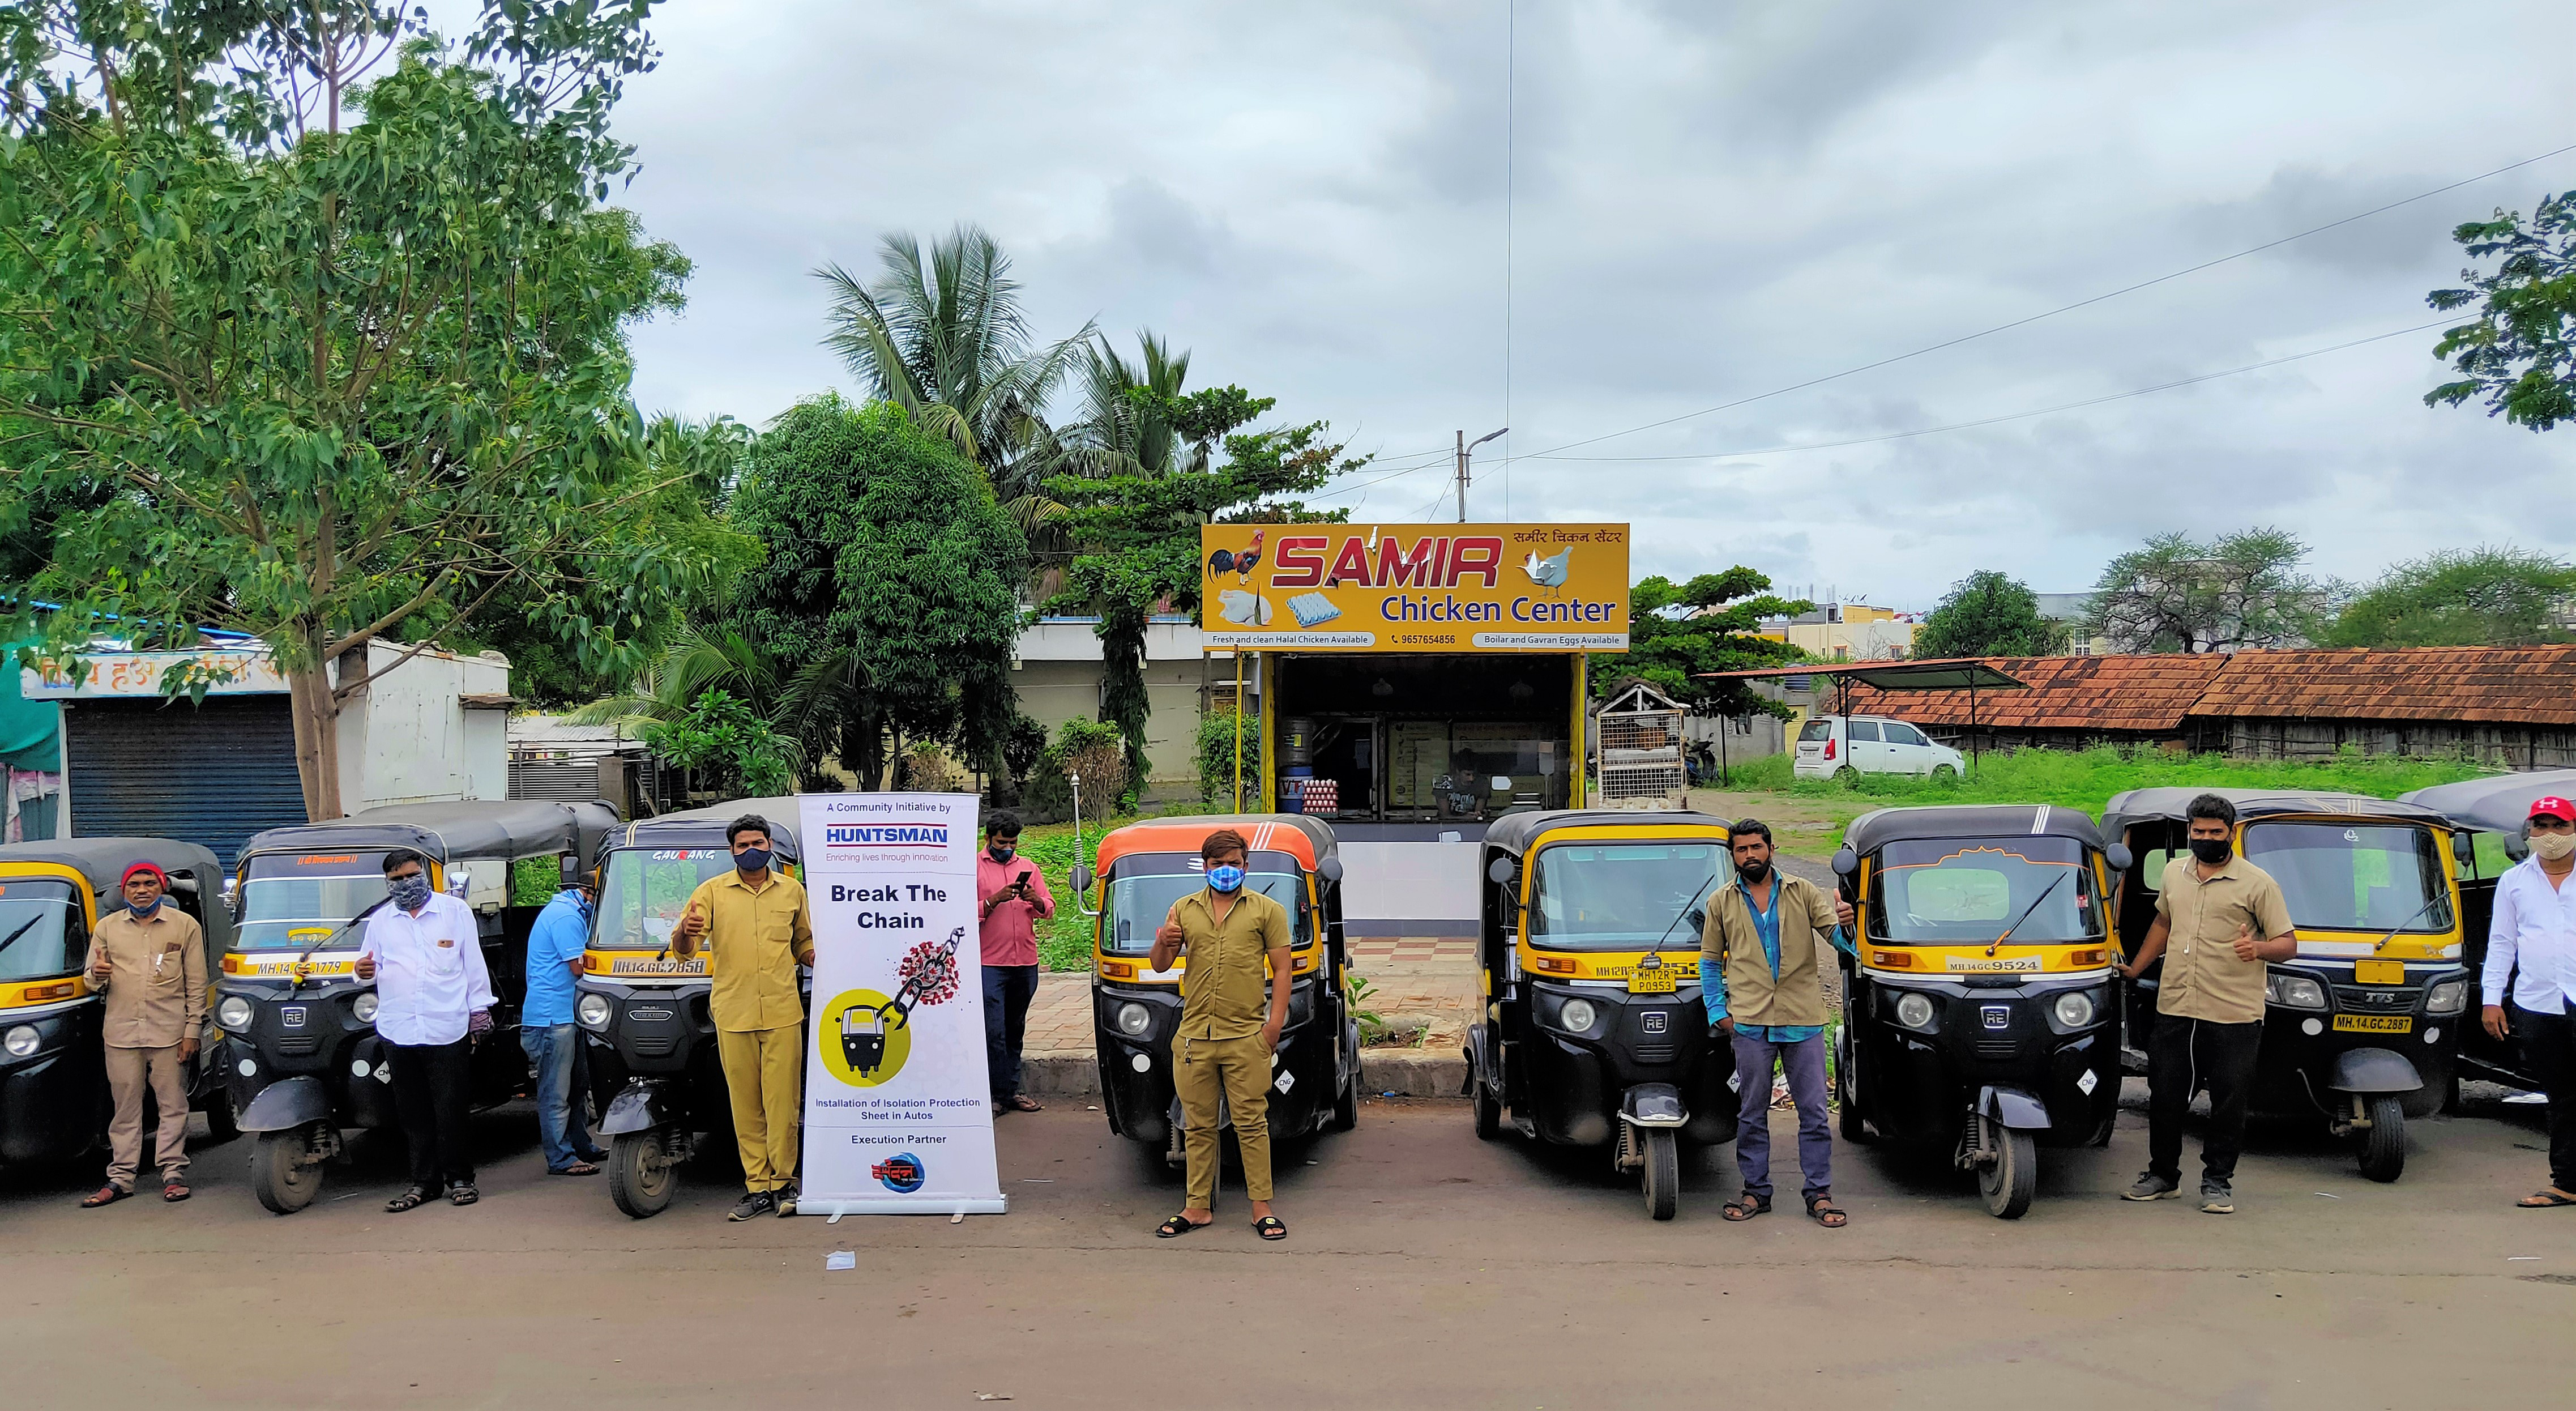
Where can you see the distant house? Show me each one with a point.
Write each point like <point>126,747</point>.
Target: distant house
<point>1846,632</point>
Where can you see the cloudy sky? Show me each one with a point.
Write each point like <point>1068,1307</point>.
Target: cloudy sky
<point>1706,202</point>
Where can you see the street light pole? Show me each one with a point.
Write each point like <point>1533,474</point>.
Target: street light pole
<point>1466,454</point>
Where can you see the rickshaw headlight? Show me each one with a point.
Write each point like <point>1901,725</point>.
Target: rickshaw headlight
<point>592,1011</point>
<point>2448,997</point>
<point>1134,1019</point>
<point>1578,1015</point>
<point>233,1012</point>
<point>2074,1009</point>
<point>21,1041</point>
<point>363,1008</point>
<point>1914,1011</point>
<point>2294,991</point>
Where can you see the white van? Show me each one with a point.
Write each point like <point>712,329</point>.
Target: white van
<point>1870,744</point>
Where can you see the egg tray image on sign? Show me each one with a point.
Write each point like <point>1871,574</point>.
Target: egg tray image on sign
<point>930,976</point>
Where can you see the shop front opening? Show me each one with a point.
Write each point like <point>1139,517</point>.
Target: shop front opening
<point>1424,738</point>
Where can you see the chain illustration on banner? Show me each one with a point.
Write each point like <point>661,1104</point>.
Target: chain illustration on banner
<point>930,975</point>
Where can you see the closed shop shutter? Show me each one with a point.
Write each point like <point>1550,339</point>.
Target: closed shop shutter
<point>212,773</point>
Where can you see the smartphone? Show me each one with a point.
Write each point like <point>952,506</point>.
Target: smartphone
<point>1022,880</point>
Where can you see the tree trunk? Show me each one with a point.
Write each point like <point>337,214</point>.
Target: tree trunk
<point>317,740</point>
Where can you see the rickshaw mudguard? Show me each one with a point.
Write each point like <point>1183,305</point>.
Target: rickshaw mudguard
<point>2373,1070</point>
<point>2017,1110</point>
<point>646,1103</point>
<point>1653,1105</point>
<point>286,1104</point>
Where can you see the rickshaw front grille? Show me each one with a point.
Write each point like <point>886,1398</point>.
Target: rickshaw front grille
<point>300,1045</point>
<point>653,1046</point>
<point>1998,1048</point>
<point>1655,1053</point>
<point>2376,999</point>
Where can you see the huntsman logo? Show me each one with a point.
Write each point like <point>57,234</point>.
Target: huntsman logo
<point>886,834</point>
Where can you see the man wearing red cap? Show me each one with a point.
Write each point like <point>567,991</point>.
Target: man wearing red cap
<point>148,959</point>
<point>2532,946</point>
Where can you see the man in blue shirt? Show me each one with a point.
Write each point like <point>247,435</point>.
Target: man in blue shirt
<point>553,1043</point>
<point>1761,979</point>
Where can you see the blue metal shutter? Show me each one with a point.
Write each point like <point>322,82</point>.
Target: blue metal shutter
<point>211,774</point>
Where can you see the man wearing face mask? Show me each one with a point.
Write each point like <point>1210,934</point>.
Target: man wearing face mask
<point>434,1002</point>
<point>2220,920</point>
<point>757,921</point>
<point>550,1038</point>
<point>1015,898</point>
<point>2532,948</point>
<point>149,960</point>
<point>1235,939</point>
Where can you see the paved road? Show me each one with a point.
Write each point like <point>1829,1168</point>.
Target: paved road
<point>1426,1269</point>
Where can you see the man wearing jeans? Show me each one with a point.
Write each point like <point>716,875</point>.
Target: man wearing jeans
<point>1013,894</point>
<point>547,1033</point>
<point>1761,978</point>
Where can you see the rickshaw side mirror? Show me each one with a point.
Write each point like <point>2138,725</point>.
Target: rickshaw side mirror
<point>1079,878</point>
<point>2516,846</point>
<point>2119,856</point>
<point>571,869</point>
<point>1330,869</point>
<point>1501,871</point>
<point>1846,862</point>
<point>2464,847</point>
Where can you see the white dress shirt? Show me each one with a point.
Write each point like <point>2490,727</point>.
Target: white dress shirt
<point>2533,940</point>
<point>429,971</point>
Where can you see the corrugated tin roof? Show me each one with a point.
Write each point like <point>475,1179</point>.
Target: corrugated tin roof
<point>2149,694</point>
<point>2505,685</point>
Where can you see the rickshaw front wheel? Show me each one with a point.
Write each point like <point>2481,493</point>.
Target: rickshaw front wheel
<point>640,1177</point>
<point>1663,1179</point>
<point>1489,1109</point>
<point>2383,1143</point>
<point>285,1169</point>
<point>2012,1178</point>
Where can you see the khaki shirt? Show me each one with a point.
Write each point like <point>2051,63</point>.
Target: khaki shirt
<point>2203,979</point>
<point>1754,995</point>
<point>756,940</point>
<point>156,979</point>
<point>1222,990</point>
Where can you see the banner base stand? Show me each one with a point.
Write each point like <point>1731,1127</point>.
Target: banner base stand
<point>973,1205</point>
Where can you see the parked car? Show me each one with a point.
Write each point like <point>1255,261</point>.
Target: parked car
<point>1870,744</point>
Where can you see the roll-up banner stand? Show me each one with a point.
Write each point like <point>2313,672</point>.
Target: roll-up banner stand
<point>898,1109</point>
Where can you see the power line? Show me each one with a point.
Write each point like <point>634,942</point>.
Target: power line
<point>2060,309</point>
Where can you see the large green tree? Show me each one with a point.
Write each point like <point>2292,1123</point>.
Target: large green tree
<point>2519,355</point>
<point>2473,598</point>
<point>1988,614</point>
<point>335,315</point>
<point>2177,594</point>
<point>1678,630</point>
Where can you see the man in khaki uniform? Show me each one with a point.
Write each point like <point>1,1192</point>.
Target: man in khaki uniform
<point>2219,920</point>
<point>148,959</point>
<point>1235,940</point>
<point>756,920</point>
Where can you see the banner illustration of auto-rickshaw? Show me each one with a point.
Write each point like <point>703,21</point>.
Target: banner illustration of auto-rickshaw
<point>874,1031</point>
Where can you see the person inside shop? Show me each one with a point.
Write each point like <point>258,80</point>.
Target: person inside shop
<point>2532,948</point>
<point>148,960</point>
<point>1235,940</point>
<point>759,927</point>
<point>434,1003</point>
<point>2219,920</point>
<point>1013,894</point>
<point>550,1038</point>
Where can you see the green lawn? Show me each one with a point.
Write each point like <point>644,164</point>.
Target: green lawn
<point>1064,942</point>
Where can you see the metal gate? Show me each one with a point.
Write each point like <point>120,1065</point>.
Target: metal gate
<point>212,773</point>
<point>1641,751</point>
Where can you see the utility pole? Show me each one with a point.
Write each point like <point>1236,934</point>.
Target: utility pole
<point>1466,456</point>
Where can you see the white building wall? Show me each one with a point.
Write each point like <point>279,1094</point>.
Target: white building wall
<point>1056,670</point>
<point>407,737</point>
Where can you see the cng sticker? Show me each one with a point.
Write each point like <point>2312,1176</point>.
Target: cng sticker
<point>863,1038</point>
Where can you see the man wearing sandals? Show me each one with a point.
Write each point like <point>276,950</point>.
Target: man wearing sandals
<point>1014,896</point>
<point>433,1004</point>
<point>149,960</point>
<point>2532,946</point>
<point>549,1037</point>
<point>1235,939</point>
<point>1762,950</point>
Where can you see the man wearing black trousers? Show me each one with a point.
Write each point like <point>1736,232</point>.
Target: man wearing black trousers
<point>433,1003</point>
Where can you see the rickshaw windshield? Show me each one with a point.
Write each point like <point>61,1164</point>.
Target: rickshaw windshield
<point>1954,891</point>
<point>1621,896</point>
<point>2375,877</point>
<point>1135,902</point>
<point>289,900</point>
<point>643,891</point>
<point>42,929</point>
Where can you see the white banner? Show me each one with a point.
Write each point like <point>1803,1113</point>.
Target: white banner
<point>898,1113</point>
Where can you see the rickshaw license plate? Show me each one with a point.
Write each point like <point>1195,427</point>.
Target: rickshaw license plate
<point>2375,1023</point>
<point>1655,980</point>
<point>2379,972</point>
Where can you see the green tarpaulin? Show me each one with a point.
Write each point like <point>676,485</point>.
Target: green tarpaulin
<point>30,731</point>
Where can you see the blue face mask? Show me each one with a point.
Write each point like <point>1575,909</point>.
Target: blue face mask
<point>751,859</point>
<point>1226,879</point>
<point>143,911</point>
<point>410,893</point>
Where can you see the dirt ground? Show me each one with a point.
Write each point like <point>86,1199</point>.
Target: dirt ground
<point>1425,1268</point>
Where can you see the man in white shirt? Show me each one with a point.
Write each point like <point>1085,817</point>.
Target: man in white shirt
<point>2533,944</point>
<point>433,1001</point>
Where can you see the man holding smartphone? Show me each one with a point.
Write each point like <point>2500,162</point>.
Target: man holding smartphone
<point>1014,896</point>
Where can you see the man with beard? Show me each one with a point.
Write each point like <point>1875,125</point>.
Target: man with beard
<point>1761,976</point>
<point>2219,920</point>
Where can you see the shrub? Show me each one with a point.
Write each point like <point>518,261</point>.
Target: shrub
<point>928,770</point>
<point>1092,749</point>
<point>1216,755</point>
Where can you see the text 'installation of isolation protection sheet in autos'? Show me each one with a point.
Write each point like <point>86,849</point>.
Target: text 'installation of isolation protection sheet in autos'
<point>898,1118</point>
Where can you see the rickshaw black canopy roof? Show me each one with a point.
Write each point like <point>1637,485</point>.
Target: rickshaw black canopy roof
<point>1874,830</point>
<point>2147,805</point>
<point>1514,832</point>
<point>2498,804</point>
<point>705,827</point>
<point>102,862</point>
<point>475,828</point>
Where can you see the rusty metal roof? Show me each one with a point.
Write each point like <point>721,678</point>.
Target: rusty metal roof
<point>2147,694</point>
<point>2505,685</point>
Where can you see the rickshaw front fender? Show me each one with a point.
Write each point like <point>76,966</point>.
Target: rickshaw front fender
<point>644,1104</point>
<point>2373,1070</point>
<point>1653,1105</point>
<point>2016,1110</point>
<point>286,1104</point>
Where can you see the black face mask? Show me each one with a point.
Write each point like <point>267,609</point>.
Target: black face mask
<point>1003,852</point>
<point>1753,872</point>
<point>2212,850</point>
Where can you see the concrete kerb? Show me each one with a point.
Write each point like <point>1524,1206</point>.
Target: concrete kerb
<point>1400,1072</point>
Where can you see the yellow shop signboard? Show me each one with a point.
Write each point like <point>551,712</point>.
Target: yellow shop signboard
<point>1414,587</point>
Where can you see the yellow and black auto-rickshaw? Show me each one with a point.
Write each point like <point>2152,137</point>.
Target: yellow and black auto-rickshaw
<point>1145,868</point>
<point>1980,1010</point>
<point>1593,1033</point>
<point>53,1075</point>
<point>305,1059</point>
<point>2488,817</point>
<point>652,1042</point>
<point>2363,1027</point>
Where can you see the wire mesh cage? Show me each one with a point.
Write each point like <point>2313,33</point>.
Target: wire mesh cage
<point>1640,742</point>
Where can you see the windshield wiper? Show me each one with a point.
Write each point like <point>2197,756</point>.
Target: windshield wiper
<point>1696,893</point>
<point>296,967</point>
<point>2429,903</point>
<point>22,930</point>
<point>2044,894</point>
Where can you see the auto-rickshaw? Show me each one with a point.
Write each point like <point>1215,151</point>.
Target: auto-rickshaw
<point>1593,1033</point>
<point>1980,1010</point>
<point>650,1038</point>
<point>1145,868</point>
<point>2488,815</point>
<point>2363,1026</point>
<point>305,1058</point>
<point>54,1103</point>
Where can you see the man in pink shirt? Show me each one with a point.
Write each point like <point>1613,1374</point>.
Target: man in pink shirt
<point>1013,894</point>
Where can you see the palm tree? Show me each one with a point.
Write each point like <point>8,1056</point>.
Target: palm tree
<point>1120,433</point>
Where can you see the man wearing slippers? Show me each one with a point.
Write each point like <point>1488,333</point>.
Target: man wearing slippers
<point>1235,940</point>
<point>148,959</point>
<point>2532,947</point>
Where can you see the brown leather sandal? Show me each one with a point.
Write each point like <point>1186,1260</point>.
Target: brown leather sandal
<point>108,1194</point>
